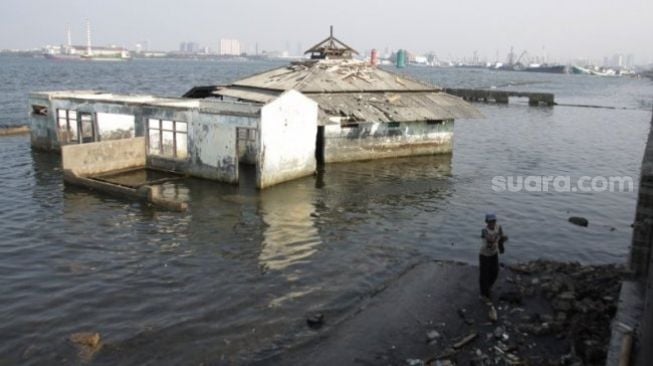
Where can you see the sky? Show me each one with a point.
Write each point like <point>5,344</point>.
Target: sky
<point>561,30</point>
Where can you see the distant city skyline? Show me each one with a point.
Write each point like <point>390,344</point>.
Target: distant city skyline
<point>556,30</point>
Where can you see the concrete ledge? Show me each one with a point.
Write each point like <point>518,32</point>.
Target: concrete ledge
<point>143,193</point>
<point>102,157</point>
<point>625,324</point>
<point>501,96</point>
<point>367,152</point>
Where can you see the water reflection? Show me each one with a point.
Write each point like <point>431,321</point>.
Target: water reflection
<point>290,234</point>
<point>297,214</point>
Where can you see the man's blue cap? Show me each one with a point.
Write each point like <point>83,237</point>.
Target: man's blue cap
<point>490,217</point>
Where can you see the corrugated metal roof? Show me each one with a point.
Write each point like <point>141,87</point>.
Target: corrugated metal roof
<point>320,76</point>
<point>376,107</point>
<point>395,107</point>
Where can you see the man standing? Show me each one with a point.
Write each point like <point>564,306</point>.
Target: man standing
<point>492,240</point>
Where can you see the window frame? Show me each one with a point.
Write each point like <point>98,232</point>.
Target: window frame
<point>67,131</point>
<point>160,152</point>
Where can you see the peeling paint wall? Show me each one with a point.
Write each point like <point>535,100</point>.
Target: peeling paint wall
<point>101,157</point>
<point>287,136</point>
<point>44,130</point>
<point>368,141</point>
<point>280,136</point>
<point>214,153</point>
<point>169,114</point>
<point>209,147</point>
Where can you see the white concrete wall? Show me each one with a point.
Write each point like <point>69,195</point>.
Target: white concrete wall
<point>287,134</point>
<point>106,156</point>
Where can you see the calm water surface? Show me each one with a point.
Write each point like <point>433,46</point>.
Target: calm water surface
<point>231,280</point>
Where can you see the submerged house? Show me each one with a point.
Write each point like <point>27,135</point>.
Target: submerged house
<point>99,133</point>
<point>285,122</point>
<point>364,112</point>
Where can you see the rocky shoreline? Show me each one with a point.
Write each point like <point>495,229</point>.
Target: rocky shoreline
<point>542,313</point>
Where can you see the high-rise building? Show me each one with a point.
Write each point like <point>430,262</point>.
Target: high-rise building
<point>229,47</point>
<point>617,60</point>
<point>630,61</point>
<point>192,47</point>
<point>189,47</point>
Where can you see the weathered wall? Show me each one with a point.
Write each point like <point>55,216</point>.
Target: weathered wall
<point>100,157</point>
<point>170,114</point>
<point>43,134</point>
<point>381,140</point>
<point>287,134</point>
<point>44,128</point>
<point>211,137</point>
<point>215,155</point>
<point>641,260</point>
<point>212,150</point>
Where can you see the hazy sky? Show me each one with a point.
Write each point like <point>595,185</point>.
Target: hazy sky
<point>561,29</point>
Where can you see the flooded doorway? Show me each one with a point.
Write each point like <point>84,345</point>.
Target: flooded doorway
<point>246,152</point>
<point>319,146</point>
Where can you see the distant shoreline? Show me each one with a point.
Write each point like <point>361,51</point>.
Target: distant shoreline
<point>14,130</point>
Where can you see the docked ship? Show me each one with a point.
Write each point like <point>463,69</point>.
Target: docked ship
<point>80,53</point>
<point>551,69</point>
<point>69,52</point>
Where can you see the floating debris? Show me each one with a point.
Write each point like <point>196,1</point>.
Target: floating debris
<point>463,342</point>
<point>88,344</point>
<point>580,221</point>
<point>315,320</point>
